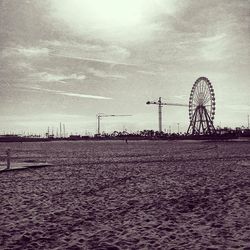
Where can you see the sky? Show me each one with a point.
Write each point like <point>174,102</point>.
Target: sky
<point>67,60</point>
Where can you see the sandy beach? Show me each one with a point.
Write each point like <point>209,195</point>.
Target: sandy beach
<point>140,195</point>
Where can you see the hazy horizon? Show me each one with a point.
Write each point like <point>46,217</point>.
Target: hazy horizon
<point>67,60</point>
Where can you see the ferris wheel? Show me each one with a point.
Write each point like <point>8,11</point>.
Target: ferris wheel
<point>201,108</point>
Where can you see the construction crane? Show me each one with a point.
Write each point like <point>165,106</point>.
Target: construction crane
<point>99,116</point>
<point>160,105</point>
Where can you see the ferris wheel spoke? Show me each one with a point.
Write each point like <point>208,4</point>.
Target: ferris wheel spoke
<point>201,92</point>
<point>206,100</point>
<point>202,87</point>
<point>205,92</point>
<point>196,101</point>
<point>203,97</point>
<point>205,104</point>
<point>197,97</point>
<point>197,89</point>
<point>200,98</point>
<point>207,97</point>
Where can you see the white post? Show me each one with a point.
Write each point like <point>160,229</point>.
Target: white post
<point>8,158</point>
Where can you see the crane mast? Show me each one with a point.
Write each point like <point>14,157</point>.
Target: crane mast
<point>160,105</point>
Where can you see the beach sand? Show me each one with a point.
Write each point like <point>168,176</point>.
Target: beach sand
<point>140,195</point>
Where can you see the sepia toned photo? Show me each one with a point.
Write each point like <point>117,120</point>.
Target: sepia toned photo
<point>124,125</point>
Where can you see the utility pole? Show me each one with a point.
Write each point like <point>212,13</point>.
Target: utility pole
<point>160,105</point>
<point>178,124</point>
<point>248,121</point>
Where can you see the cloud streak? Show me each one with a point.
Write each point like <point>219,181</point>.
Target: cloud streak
<point>59,92</point>
<point>25,51</point>
<point>103,61</point>
<point>47,77</point>
<point>103,74</point>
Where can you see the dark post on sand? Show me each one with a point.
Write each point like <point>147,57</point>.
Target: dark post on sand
<point>8,158</point>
